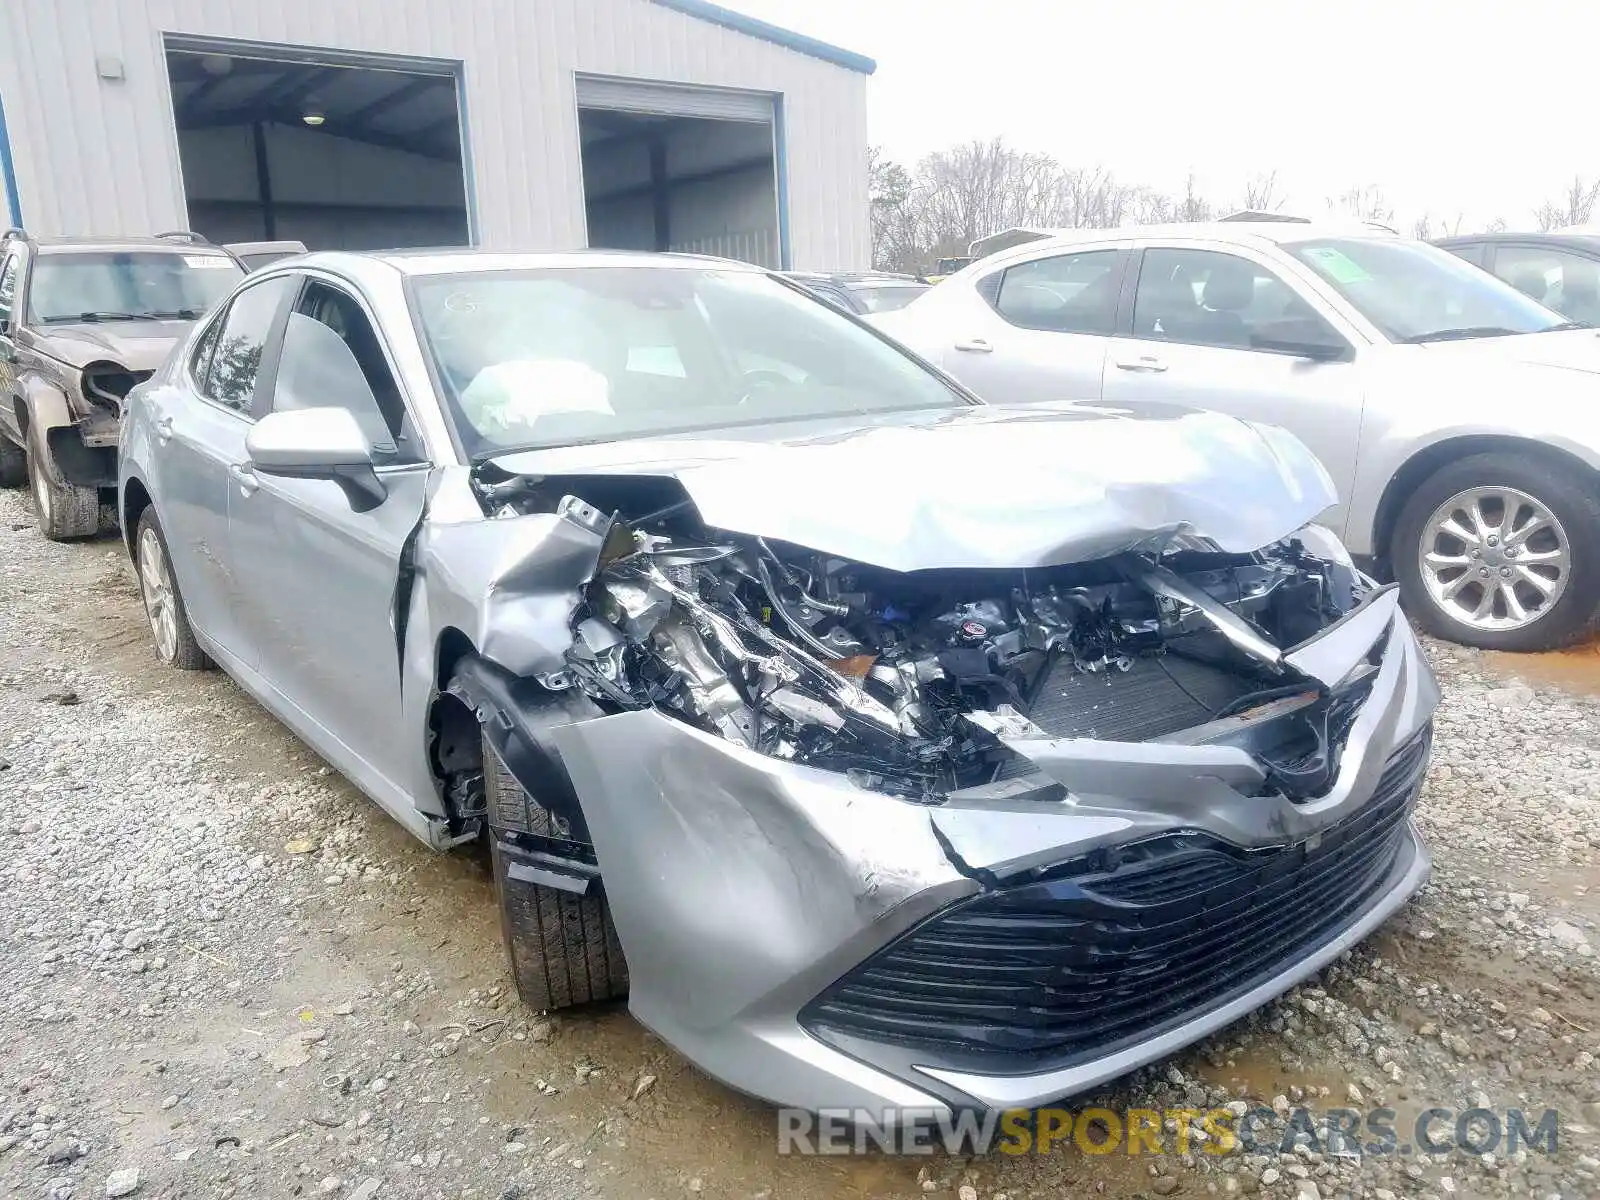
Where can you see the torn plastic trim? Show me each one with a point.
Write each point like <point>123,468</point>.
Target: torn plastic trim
<point>1208,786</point>
<point>1333,654</point>
<point>518,717</point>
<point>527,865</point>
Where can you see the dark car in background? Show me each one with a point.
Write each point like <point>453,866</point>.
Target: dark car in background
<point>1559,270</point>
<point>859,294</point>
<point>82,321</point>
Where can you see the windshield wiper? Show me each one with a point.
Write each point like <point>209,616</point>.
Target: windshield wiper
<point>1456,335</point>
<point>185,314</point>
<point>1567,325</point>
<point>99,315</point>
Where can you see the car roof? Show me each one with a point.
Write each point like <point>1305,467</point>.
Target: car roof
<point>1580,238</point>
<point>68,245</point>
<point>859,278</point>
<point>1242,232</point>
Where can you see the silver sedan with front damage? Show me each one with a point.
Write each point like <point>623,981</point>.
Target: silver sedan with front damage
<point>884,747</point>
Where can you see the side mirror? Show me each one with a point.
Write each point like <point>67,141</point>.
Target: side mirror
<point>1301,338</point>
<point>317,443</point>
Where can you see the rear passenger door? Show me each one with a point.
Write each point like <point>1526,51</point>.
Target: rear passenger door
<point>1042,330</point>
<point>1199,332</point>
<point>199,426</point>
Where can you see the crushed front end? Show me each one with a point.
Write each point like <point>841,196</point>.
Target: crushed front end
<point>987,837</point>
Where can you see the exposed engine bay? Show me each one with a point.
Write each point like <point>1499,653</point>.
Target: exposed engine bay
<point>905,681</point>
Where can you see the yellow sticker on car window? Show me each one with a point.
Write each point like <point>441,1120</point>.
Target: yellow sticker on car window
<point>1337,265</point>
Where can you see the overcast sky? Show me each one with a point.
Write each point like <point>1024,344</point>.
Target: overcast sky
<point>1472,107</point>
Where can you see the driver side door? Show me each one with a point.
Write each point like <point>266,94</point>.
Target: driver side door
<point>318,581</point>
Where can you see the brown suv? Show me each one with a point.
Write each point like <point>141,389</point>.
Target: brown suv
<point>82,320</point>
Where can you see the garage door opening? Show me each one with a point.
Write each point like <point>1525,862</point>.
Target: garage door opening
<point>668,168</point>
<point>337,157</point>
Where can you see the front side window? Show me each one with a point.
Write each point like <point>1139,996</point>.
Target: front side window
<point>135,286</point>
<point>1066,293</point>
<point>558,356</point>
<point>332,359</point>
<point>1208,298</point>
<point>1560,280</point>
<point>1414,292</point>
<point>236,359</point>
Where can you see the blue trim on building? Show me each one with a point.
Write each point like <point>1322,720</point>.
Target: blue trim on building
<point>776,34</point>
<point>780,155</point>
<point>8,170</point>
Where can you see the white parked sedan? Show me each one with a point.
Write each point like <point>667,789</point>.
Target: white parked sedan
<point>1459,419</point>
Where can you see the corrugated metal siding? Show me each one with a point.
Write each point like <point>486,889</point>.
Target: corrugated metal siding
<point>94,156</point>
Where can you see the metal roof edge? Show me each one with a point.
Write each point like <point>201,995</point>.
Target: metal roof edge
<point>717,15</point>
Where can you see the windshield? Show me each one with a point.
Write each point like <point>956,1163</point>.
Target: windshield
<point>1418,293</point>
<point>560,356</point>
<point>105,285</point>
<point>886,299</point>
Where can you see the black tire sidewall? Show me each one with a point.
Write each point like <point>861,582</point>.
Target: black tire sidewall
<point>1557,485</point>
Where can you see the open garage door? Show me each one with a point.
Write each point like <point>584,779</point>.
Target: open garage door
<point>335,156</point>
<point>667,167</point>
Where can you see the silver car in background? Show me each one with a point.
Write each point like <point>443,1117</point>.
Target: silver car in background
<point>886,747</point>
<point>1460,420</point>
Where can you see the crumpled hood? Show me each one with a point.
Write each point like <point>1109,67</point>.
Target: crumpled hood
<point>136,345</point>
<point>984,487</point>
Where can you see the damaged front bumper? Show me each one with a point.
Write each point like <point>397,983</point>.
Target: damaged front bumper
<point>820,945</point>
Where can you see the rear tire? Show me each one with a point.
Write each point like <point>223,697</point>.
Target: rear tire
<point>170,634</point>
<point>1561,561</point>
<point>13,463</point>
<point>563,947</point>
<point>64,511</point>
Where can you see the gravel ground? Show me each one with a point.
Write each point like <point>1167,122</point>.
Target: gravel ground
<point>224,973</point>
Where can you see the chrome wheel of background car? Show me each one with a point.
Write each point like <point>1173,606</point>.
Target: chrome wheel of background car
<point>1494,558</point>
<point>159,602</point>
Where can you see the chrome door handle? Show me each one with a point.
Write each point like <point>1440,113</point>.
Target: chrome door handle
<point>163,430</point>
<point>975,346</point>
<point>244,477</point>
<point>1145,362</point>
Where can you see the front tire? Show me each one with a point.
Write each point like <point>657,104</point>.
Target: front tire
<point>173,639</point>
<point>1501,551</point>
<point>563,947</point>
<point>64,511</point>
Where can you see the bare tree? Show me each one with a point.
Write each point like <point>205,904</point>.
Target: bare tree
<point>1574,207</point>
<point>1193,206</point>
<point>1498,225</point>
<point>894,235</point>
<point>1364,204</point>
<point>1261,193</point>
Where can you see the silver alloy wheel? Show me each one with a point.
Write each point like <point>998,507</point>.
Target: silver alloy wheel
<point>1494,558</point>
<point>159,602</point>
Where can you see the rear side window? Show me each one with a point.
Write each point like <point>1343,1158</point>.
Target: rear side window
<point>236,358</point>
<point>1068,293</point>
<point>1560,280</point>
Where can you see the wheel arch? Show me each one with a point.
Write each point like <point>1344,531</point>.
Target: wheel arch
<point>1429,459</point>
<point>135,498</point>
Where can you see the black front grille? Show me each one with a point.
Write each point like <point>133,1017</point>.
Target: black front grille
<point>1118,946</point>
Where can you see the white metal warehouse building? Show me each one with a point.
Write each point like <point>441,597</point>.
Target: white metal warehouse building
<point>361,124</point>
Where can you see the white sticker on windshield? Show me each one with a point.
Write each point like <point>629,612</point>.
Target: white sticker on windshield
<point>207,260</point>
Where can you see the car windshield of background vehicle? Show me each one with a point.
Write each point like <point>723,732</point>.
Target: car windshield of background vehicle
<point>887,299</point>
<point>553,357</point>
<point>111,286</point>
<point>1418,293</point>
